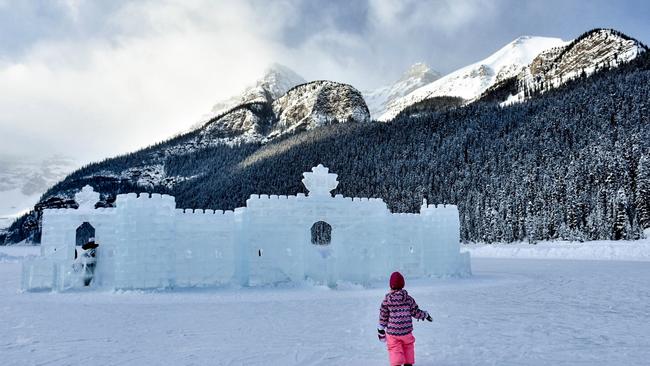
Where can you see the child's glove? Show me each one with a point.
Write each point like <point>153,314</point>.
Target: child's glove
<point>381,334</point>
<point>429,318</point>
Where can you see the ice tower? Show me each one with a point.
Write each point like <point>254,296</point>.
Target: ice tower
<point>145,242</point>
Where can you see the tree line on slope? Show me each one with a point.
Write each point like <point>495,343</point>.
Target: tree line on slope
<point>571,163</point>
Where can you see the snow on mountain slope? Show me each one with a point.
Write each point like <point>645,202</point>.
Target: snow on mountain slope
<point>588,53</point>
<point>316,104</point>
<point>276,80</point>
<point>304,107</point>
<point>416,76</point>
<point>246,122</point>
<point>13,204</point>
<point>23,182</point>
<point>247,117</point>
<point>470,81</point>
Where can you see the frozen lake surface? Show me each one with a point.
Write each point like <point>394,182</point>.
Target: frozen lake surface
<point>511,312</point>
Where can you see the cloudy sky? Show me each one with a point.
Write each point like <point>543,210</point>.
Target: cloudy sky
<point>92,79</point>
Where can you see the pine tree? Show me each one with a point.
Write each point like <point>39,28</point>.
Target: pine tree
<point>643,192</point>
<point>621,227</point>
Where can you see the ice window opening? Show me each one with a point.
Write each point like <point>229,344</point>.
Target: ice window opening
<point>84,232</point>
<point>321,233</point>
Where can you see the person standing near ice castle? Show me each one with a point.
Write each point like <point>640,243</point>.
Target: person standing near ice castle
<point>395,324</point>
<point>87,260</point>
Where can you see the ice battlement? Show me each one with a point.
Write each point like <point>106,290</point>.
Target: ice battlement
<point>202,212</point>
<point>440,211</point>
<point>146,242</point>
<point>153,200</point>
<point>254,197</point>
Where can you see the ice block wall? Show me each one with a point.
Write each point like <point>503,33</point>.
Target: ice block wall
<point>272,239</point>
<point>142,252</point>
<point>204,247</point>
<point>279,245</point>
<point>53,269</point>
<point>440,241</point>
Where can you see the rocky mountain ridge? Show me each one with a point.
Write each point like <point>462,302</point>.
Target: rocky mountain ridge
<point>590,52</point>
<point>276,80</point>
<point>470,81</point>
<point>302,107</point>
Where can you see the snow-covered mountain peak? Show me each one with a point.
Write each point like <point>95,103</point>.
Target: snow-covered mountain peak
<point>593,50</point>
<point>526,39</point>
<point>316,104</point>
<point>276,80</point>
<point>419,74</point>
<point>521,39</point>
<point>421,71</point>
<point>521,51</point>
<point>303,107</point>
<point>470,81</point>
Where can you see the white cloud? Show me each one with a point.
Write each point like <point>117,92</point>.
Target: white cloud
<point>156,75</point>
<point>442,15</point>
<point>72,8</point>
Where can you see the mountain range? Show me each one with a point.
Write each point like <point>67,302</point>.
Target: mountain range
<point>22,182</point>
<point>553,67</point>
<point>417,76</point>
<point>471,81</point>
<point>218,162</point>
<point>533,63</point>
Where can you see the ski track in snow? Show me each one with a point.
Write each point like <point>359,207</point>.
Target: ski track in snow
<point>511,312</point>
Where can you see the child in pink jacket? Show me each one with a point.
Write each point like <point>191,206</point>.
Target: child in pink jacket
<point>395,325</point>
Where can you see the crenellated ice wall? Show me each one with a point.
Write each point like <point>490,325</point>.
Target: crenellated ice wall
<point>204,247</point>
<point>146,242</point>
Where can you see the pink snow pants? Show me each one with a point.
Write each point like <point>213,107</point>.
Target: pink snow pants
<point>401,349</point>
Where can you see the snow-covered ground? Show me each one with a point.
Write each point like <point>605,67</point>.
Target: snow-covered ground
<point>637,250</point>
<point>511,312</point>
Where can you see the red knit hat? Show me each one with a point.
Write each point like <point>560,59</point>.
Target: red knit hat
<point>396,281</point>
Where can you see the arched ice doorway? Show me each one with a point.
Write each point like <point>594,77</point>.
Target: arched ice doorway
<point>320,267</point>
<point>84,232</point>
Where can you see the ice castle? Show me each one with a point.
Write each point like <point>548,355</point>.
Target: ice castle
<point>146,242</point>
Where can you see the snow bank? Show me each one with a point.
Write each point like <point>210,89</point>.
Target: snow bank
<point>638,250</point>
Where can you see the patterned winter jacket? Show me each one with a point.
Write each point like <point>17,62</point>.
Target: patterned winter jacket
<point>396,312</point>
